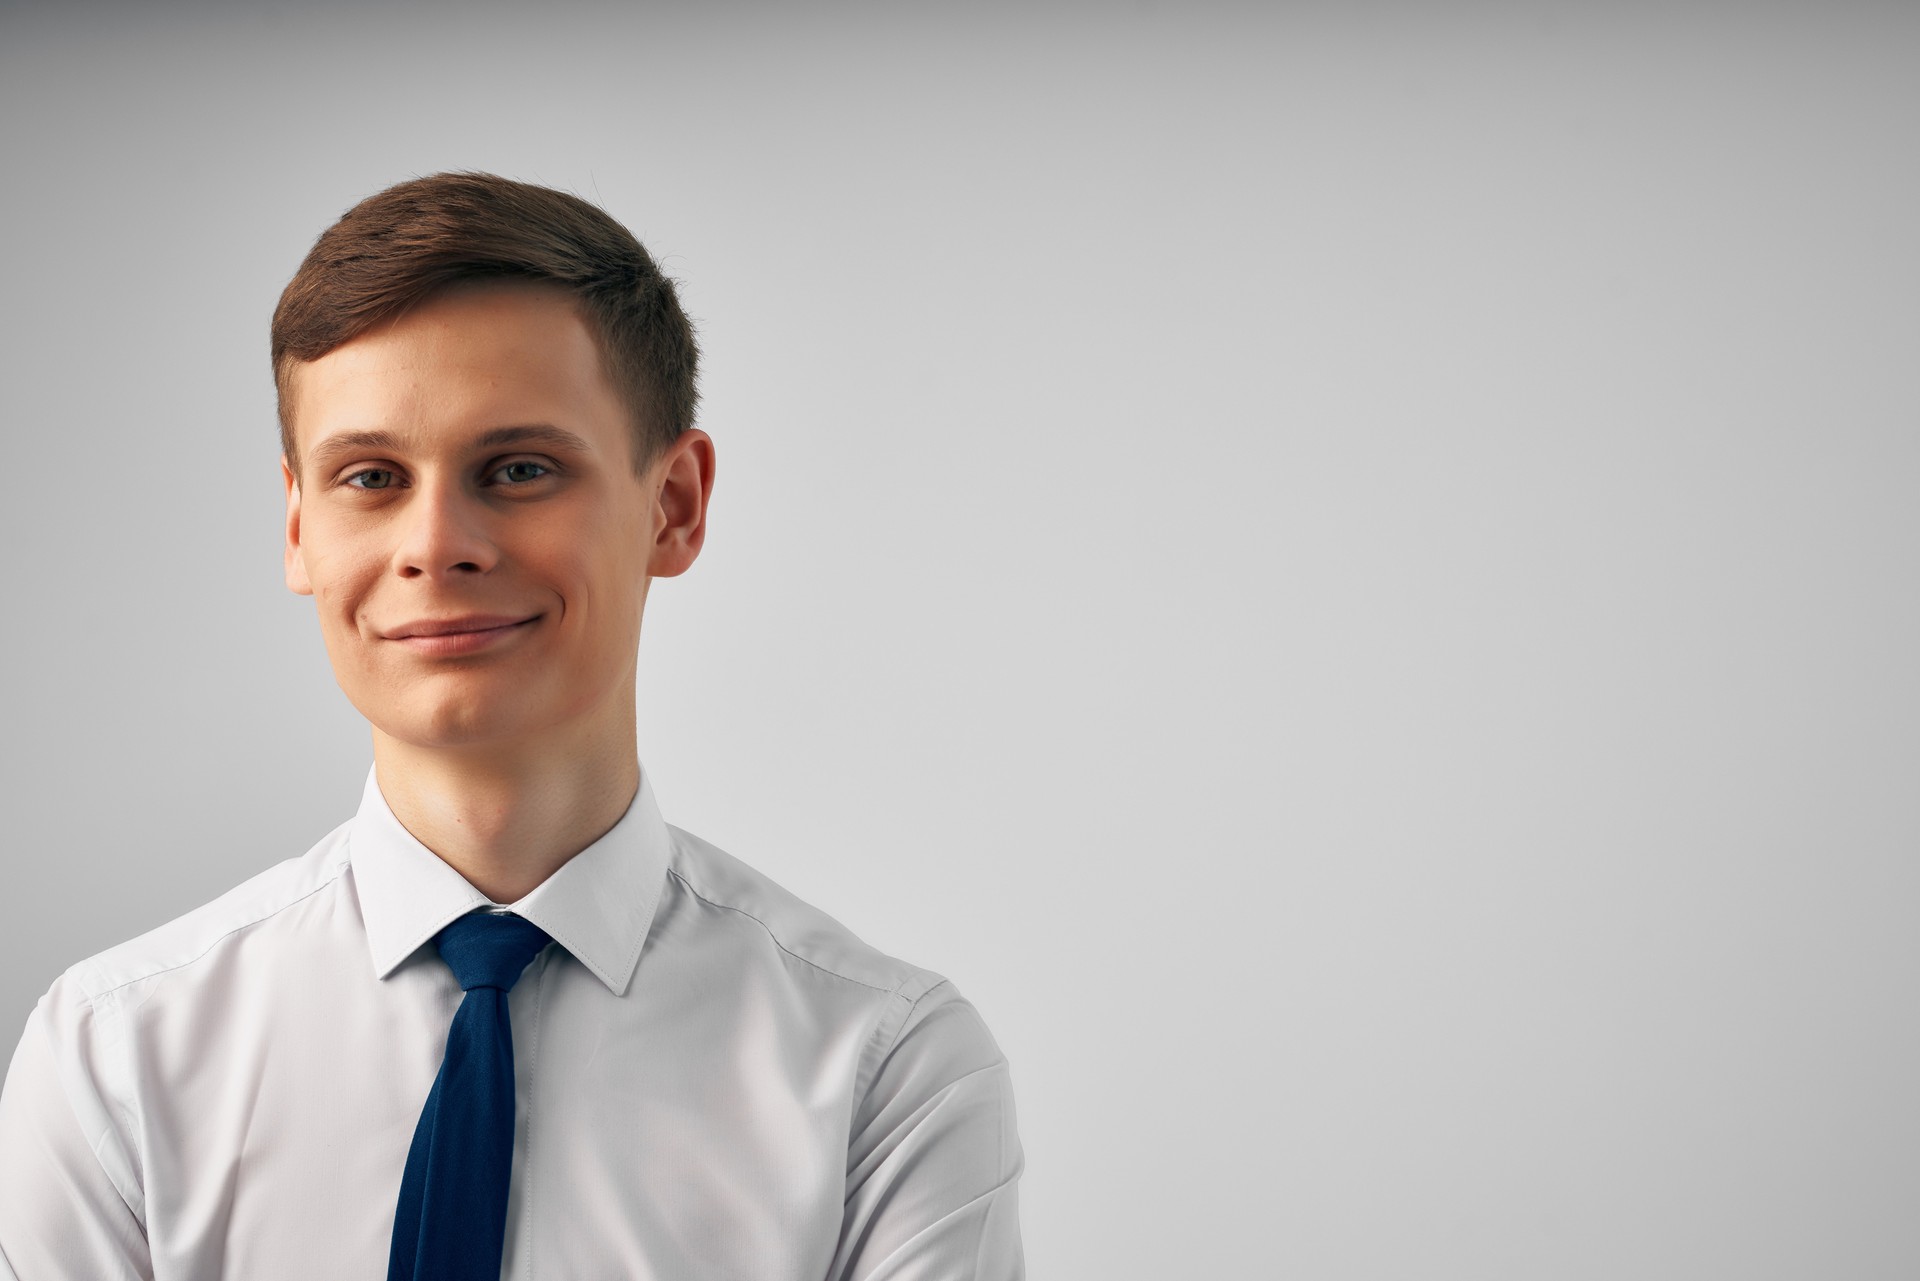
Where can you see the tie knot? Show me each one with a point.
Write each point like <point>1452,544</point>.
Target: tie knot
<point>488,950</point>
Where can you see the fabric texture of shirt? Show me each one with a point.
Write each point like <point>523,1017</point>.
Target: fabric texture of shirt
<point>713,1078</point>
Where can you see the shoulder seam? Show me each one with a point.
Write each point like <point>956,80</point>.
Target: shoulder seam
<point>890,1023</point>
<point>906,1018</point>
<point>103,993</point>
<point>728,907</point>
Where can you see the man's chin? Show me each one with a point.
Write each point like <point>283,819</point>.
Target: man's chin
<point>455,724</point>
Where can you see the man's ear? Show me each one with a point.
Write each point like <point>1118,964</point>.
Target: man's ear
<point>296,565</point>
<point>683,486</point>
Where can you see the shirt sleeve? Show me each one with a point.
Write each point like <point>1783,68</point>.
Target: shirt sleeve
<point>934,1160</point>
<point>61,1217</point>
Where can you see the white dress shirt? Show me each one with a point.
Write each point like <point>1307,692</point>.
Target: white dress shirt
<point>714,1079</point>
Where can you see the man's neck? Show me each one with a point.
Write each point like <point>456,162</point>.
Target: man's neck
<point>506,822</point>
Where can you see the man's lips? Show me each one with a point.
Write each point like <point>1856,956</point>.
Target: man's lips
<point>452,626</point>
<point>445,644</point>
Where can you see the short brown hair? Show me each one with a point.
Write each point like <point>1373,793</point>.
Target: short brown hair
<point>398,247</point>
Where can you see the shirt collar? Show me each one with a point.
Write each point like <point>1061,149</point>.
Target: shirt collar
<point>598,905</point>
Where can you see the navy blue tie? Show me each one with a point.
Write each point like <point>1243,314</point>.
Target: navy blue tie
<point>452,1219</point>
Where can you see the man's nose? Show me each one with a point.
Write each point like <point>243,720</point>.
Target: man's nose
<point>445,530</point>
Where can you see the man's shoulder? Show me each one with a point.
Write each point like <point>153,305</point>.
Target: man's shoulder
<point>789,923</point>
<point>195,935</point>
<point>922,1033</point>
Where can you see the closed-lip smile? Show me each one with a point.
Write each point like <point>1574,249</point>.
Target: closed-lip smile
<point>471,635</point>
<point>452,626</point>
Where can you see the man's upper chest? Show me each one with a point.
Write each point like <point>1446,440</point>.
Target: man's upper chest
<point>694,1124</point>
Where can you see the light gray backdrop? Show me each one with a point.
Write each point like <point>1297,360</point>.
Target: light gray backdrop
<point>1347,571</point>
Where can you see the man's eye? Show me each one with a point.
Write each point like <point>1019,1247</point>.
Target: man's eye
<point>371,471</point>
<point>519,475</point>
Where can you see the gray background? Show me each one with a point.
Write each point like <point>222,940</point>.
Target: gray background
<point>1347,571</point>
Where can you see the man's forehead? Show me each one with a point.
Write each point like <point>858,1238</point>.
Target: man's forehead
<point>478,365</point>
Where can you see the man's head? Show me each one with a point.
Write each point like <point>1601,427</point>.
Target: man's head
<point>485,392</point>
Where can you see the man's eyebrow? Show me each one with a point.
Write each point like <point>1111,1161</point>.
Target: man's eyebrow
<point>534,433</point>
<point>344,443</point>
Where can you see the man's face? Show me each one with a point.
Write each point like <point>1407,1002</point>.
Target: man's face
<point>449,519</point>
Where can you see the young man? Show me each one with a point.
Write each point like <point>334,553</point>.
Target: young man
<point>505,1021</point>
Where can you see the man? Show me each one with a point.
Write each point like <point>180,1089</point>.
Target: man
<point>505,1021</point>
